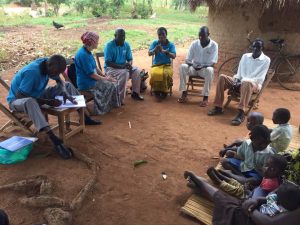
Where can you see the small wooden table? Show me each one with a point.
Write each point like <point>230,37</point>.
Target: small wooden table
<point>64,121</point>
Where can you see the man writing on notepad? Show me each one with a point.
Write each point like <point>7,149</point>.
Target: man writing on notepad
<point>29,90</point>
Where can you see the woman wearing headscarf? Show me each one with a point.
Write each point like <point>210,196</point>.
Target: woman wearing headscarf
<point>163,51</point>
<point>90,78</point>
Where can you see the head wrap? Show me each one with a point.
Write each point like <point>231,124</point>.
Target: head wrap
<point>89,38</point>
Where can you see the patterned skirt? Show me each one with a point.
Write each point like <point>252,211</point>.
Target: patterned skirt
<point>105,97</point>
<point>161,78</point>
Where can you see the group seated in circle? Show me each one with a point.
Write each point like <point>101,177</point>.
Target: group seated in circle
<point>257,162</point>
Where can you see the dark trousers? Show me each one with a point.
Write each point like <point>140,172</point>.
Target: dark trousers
<point>3,218</point>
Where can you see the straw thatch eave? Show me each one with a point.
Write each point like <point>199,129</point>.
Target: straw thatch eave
<point>264,4</point>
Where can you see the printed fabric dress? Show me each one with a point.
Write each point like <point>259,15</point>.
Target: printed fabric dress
<point>105,92</point>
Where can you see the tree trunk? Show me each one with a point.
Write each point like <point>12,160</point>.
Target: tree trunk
<point>46,7</point>
<point>56,9</point>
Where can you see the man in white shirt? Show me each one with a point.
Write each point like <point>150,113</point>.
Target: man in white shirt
<point>250,76</point>
<point>201,57</point>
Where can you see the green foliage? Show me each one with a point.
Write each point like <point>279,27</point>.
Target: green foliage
<point>114,8</point>
<point>50,13</point>
<point>2,2</point>
<point>142,9</point>
<point>117,3</point>
<point>182,25</point>
<point>180,4</point>
<point>79,5</point>
<point>56,5</point>
<point>97,7</point>
<point>113,11</point>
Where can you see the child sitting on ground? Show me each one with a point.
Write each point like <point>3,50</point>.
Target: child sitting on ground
<point>274,168</point>
<point>254,118</point>
<point>286,198</point>
<point>247,162</point>
<point>282,134</point>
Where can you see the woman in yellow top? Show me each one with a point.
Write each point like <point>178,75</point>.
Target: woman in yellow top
<point>162,51</point>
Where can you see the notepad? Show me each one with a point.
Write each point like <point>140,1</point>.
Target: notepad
<point>15,143</point>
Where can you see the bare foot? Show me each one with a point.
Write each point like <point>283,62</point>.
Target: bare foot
<point>188,174</point>
<point>211,172</point>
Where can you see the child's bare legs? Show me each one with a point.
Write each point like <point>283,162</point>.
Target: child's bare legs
<point>241,178</point>
<point>216,176</point>
<point>213,176</point>
<point>222,176</point>
<point>208,191</point>
<point>228,166</point>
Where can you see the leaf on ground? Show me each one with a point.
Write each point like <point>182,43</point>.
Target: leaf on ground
<point>139,162</point>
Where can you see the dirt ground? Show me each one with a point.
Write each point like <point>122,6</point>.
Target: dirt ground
<point>172,137</point>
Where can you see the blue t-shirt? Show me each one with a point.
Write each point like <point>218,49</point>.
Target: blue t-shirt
<point>161,58</point>
<point>85,67</point>
<point>29,80</point>
<point>117,54</point>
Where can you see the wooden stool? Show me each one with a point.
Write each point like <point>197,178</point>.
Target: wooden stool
<point>195,81</point>
<point>64,121</point>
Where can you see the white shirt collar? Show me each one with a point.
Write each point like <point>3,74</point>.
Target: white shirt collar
<point>209,45</point>
<point>261,57</point>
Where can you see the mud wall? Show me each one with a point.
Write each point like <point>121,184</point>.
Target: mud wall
<point>230,26</point>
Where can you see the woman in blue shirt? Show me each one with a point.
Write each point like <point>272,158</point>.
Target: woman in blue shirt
<point>90,78</point>
<point>163,52</point>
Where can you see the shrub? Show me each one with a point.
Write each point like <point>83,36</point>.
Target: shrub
<point>98,7</point>
<point>79,5</point>
<point>143,10</point>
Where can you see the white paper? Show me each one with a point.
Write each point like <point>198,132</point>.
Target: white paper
<point>79,99</point>
<point>33,139</point>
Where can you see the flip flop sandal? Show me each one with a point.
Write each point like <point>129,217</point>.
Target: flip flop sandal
<point>203,104</point>
<point>182,100</point>
<point>215,112</point>
<point>237,120</point>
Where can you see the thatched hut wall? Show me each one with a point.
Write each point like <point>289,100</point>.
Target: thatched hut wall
<point>230,25</point>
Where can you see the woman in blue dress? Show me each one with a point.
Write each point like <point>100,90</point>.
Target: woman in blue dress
<point>90,78</point>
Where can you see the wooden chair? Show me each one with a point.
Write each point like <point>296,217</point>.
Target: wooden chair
<point>16,120</point>
<point>171,86</point>
<point>233,96</point>
<point>88,96</point>
<point>195,85</point>
<point>19,120</point>
<point>22,121</point>
<point>99,55</point>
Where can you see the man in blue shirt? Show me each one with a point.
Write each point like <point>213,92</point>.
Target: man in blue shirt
<point>28,91</point>
<point>118,65</point>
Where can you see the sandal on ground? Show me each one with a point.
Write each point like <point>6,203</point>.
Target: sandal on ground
<point>237,120</point>
<point>203,104</point>
<point>63,151</point>
<point>182,100</point>
<point>215,111</point>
